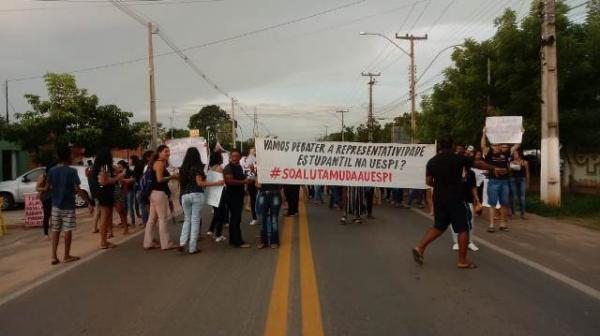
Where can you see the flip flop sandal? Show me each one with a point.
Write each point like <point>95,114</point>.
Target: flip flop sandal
<point>417,256</point>
<point>504,228</point>
<point>71,259</point>
<point>108,246</point>
<point>467,266</point>
<point>55,262</point>
<point>491,230</point>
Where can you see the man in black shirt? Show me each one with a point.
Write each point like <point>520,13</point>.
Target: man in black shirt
<point>445,175</point>
<point>235,179</point>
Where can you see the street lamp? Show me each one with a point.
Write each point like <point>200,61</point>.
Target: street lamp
<point>411,54</point>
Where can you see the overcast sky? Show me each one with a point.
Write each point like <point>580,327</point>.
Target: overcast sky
<point>296,75</point>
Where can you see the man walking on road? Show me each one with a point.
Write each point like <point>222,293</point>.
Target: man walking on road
<point>64,182</point>
<point>445,175</point>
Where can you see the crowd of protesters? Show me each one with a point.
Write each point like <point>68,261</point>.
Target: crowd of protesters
<point>461,181</point>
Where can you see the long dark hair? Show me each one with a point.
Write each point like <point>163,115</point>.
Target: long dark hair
<point>103,158</point>
<point>216,158</point>
<point>191,162</point>
<point>157,153</point>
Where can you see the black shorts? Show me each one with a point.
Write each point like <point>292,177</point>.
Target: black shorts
<point>451,212</point>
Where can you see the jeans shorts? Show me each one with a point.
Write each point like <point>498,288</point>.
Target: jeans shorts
<point>498,191</point>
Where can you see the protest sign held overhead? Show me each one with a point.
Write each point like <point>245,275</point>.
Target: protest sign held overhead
<point>342,163</point>
<point>500,130</point>
<point>178,148</point>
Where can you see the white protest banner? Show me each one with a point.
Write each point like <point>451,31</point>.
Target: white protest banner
<point>34,211</point>
<point>342,163</point>
<point>213,194</point>
<point>178,148</point>
<point>504,130</point>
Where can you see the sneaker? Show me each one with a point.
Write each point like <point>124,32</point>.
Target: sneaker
<point>260,246</point>
<point>253,222</point>
<point>455,247</point>
<point>220,239</point>
<point>209,233</point>
<point>473,247</point>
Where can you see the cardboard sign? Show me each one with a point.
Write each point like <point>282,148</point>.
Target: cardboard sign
<point>179,147</point>
<point>504,130</point>
<point>342,163</point>
<point>34,210</point>
<point>213,194</point>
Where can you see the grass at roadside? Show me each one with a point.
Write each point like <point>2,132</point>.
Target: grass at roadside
<point>573,205</point>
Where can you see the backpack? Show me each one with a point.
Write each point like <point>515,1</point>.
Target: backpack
<point>146,184</point>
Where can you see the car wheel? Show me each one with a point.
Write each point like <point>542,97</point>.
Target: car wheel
<point>8,201</point>
<point>80,202</point>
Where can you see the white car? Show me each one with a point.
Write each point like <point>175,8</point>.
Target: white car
<point>12,192</point>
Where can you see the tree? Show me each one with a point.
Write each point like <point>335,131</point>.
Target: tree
<point>177,133</point>
<point>70,116</point>
<point>457,105</point>
<point>143,132</point>
<point>215,120</point>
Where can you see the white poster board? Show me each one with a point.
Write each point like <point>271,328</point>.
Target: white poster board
<point>342,163</point>
<point>178,148</point>
<point>504,130</point>
<point>213,194</point>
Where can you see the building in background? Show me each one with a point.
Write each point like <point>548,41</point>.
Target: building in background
<point>13,161</point>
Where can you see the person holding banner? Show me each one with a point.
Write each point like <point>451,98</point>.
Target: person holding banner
<point>235,180</point>
<point>355,205</point>
<point>268,203</point>
<point>220,213</point>
<point>192,182</point>
<point>444,173</point>
<point>498,188</point>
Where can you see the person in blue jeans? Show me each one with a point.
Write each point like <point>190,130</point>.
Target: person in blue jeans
<point>268,204</point>
<point>498,185</point>
<point>519,180</point>
<point>192,182</point>
<point>336,197</point>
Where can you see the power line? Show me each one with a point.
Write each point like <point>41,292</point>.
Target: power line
<point>230,38</point>
<point>97,4</point>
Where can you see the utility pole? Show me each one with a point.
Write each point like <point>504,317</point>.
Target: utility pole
<point>371,83</point>
<point>6,99</point>
<point>489,87</point>
<point>255,129</point>
<point>233,127</point>
<point>172,118</point>
<point>326,131</point>
<point>412,93</point>
<point>550,156</point>
<point>153,126</point>
<point>342,112</point>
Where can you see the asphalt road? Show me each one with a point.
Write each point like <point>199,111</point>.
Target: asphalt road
<point>357,279</point>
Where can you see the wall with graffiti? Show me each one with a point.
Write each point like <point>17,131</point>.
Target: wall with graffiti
<point>583,171</point>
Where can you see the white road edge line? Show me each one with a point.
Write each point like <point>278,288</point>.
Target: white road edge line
<point>594,293</point>
<point>62,271</point>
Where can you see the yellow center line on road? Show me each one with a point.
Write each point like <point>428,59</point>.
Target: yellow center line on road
<point>312,324</point>
<point>277,317</point>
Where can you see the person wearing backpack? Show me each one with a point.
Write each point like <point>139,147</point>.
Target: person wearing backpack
<point>143,201</point>
<point>159,200</point>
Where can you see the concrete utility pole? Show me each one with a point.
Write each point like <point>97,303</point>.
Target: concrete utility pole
<point>342,112</point>
<point>413,70</point>
<point>233,127</point>
<point>371,83</point>
<point>153,126</point>
<point>6,99</point>
<point>550,158</point>
<point>255,129</point>
<point>172,119</point>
